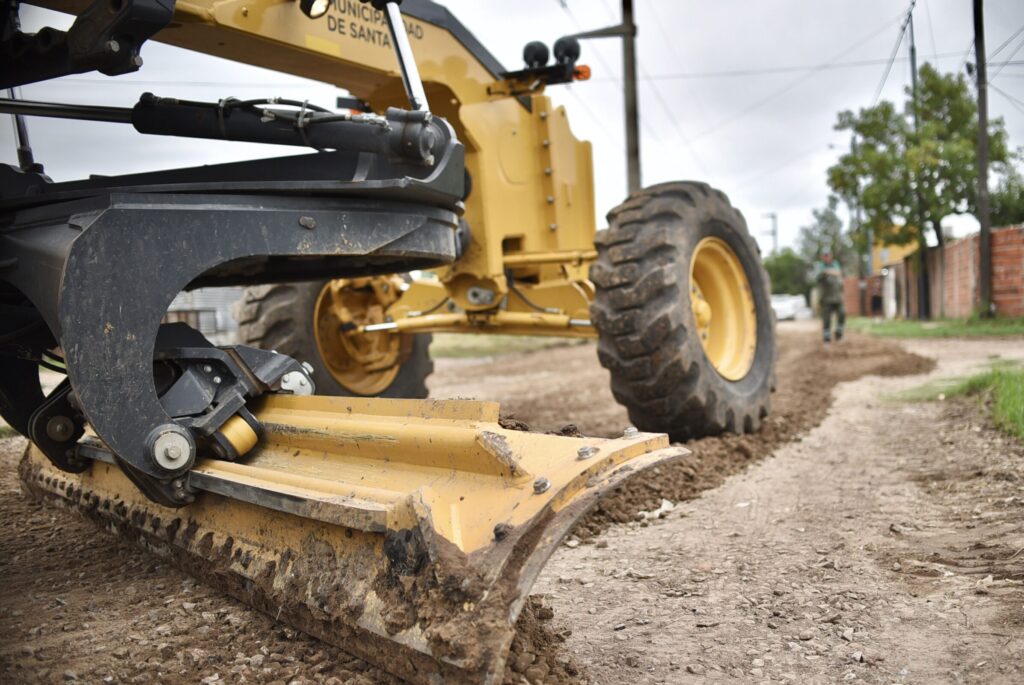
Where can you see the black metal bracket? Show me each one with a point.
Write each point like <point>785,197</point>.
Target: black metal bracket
<point>55,426</point>
<point>102,271</point>
<point>106,37</point>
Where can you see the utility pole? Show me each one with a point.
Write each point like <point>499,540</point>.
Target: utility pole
<point>923,281</point>
<point>632,106</point>
<point>627,31</point>
<point>985,232</point>
<point>774,232</point>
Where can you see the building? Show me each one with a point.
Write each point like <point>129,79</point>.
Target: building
<point>208,310</point>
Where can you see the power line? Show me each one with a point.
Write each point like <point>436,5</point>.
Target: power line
<point>660,98</point>
<point>967,55</point>
<point>732,73</point>
<point>931,31</point>
<point>1011,56</point>
<point>579,28</point>
<point>793,84</point>
<point>895,50</point>
<point>653,6</point>
<point>1019,104</point>
<point>745,183</point>
<point>675,124</point>
<point>1005,43</point>
<point>586,108</point>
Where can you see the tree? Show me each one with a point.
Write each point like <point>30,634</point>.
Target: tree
<point>788,272</point>
<point>907,179</point>
<point>1007,200</point>
<point>911,179</point>
<point>826,233</point>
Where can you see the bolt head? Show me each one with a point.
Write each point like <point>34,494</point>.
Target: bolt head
<point>172,449</point>
<point>586,452</point>
<point>540,485</point>
<point>630,432</point>
<point>59,428</point>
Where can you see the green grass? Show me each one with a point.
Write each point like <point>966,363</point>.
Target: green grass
<point>1002,384</point>
<point>942,328</point>
<point>470,345</point>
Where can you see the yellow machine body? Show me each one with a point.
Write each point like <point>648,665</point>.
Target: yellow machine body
<point>408,532</point>
<point>531,208</point>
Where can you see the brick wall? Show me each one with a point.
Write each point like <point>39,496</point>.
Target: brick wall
<point>956,281</point>
<point>872,296</point>
<point>961,277</point>
<point>1008,271</point>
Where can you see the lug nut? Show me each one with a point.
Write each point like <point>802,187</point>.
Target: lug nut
<point>586,452</point>
<point>630,432</point>
<point>541,485</point>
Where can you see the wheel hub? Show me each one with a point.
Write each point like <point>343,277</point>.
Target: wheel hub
<point>364,363</point>
<point>723,308</point>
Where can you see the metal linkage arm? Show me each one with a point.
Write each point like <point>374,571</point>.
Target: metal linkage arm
<point>403,50</point>
<point>106,37</point>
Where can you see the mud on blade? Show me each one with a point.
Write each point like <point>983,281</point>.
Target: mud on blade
<point>406,532</point>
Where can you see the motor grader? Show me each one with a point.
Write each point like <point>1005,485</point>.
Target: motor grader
<point>407,531</point>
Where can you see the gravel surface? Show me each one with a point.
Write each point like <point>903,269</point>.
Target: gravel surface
<point>885,546</point>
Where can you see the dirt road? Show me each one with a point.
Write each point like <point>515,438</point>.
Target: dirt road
<point>79,605</point>
<point>885,546</point>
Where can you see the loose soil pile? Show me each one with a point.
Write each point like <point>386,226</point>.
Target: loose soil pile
<point>546,390</point>
<point>78,605</point>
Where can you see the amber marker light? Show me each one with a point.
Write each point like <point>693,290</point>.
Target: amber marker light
<point>581,73</point>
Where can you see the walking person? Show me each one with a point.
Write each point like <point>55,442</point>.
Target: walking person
<point>829,276</point>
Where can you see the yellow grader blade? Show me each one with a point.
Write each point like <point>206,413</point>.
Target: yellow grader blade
<point>406,532</point>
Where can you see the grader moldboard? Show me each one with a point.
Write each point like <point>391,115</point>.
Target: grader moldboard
<point>407,531</point>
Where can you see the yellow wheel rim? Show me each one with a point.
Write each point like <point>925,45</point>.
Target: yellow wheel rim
<point>723,308</point>
<point>363,363</point>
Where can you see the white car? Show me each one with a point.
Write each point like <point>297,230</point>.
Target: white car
<point>791,307</point>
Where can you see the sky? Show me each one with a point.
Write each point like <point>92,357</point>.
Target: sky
<point>742,95</point>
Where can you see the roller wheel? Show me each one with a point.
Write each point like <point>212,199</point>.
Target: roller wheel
<point>305,321</point>
<point>683,313</point>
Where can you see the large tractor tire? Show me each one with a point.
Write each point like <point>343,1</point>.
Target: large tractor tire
<point>301,320</point>
<point>683,313</point>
